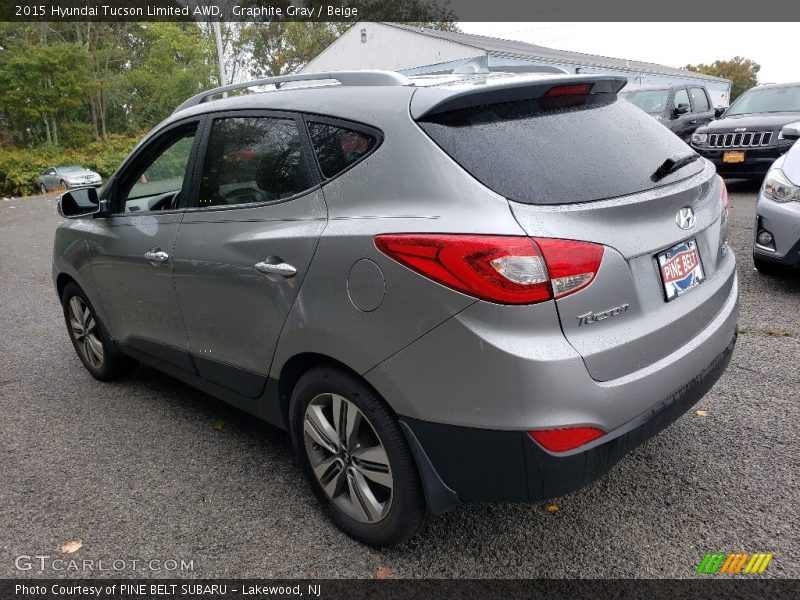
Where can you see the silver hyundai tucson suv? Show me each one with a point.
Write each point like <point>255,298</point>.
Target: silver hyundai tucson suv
<point>464,288</point>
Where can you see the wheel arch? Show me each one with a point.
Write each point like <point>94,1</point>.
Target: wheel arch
<point>438,496</point>
<point>299,364</point>
<point>61,282</point>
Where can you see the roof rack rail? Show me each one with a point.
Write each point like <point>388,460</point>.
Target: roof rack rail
<point>365,77</point>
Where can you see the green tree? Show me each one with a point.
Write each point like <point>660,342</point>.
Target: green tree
<point>41,85</point>
<point>742,72</point>
<point>168,63</point>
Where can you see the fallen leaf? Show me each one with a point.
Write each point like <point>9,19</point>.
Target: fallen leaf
<point>71,546</point>
<point>552,508</point>
<point>383,573</point>
<point>779,333</point>
<point>206,499</point>
<point>219,425</point>
<point>701,413</point>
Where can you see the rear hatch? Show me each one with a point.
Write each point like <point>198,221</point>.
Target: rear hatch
<point>581,164</point>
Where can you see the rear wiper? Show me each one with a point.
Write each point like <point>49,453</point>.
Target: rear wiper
<point>673,164</point>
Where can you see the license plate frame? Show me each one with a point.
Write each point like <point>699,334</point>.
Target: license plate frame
<point>680,269</point>
<point>733,156</point>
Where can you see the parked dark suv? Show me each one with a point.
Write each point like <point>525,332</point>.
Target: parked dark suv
<point>747,139</point>
<point>680,108</point>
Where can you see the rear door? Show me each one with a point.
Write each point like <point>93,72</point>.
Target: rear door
<point>702,113</point>
<point>588,172</point>
<point>250,232</point>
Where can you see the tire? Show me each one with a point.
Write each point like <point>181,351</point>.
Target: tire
<point>43,188</point>
<point>362,506</point>
<point>766,267</point>
<point>91,343</point>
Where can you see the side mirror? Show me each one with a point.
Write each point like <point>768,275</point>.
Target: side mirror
<point>791,131</point>
<point>718,112</point>
<point>81,202</point>
<point>681,109</point>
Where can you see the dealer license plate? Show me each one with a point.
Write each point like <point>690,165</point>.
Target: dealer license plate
<point>733,157</point>
<point>681,269</point>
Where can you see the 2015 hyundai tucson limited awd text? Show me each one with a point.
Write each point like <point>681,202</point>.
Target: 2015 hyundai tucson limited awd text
<point>469,288</point>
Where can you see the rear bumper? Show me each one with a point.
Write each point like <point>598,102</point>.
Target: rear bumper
<point>466,464</point>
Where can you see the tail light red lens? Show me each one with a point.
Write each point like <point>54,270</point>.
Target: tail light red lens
<point>579,89</point>
<point>501,269</point>
<point>568,438</point>
<point>564,96</point>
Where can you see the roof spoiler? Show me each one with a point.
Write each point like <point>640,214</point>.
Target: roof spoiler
<point>435,100</point>
<point>366,78</point>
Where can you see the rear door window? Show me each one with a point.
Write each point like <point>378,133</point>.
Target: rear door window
<point>699,100</point>
<point>603,149</point>
<point>681,97</point>
<point>338,148</point>
<point>252,159</point>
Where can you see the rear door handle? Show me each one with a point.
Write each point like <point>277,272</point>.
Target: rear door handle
<point>276,266</point>
<point>156,255</point>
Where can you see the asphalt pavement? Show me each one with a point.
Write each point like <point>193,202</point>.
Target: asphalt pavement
<point>149,469</point>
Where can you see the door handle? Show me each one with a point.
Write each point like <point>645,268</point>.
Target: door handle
<point>156,255</point>
<point>693,121</point>
<point>276,266</point>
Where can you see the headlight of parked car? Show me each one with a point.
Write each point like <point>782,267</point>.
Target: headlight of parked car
<point>699,138</point>
<point>777,187</point>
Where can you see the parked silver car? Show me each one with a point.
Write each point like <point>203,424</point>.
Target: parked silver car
<point>468,288</point>
<point>777,230</point>
<point>67,176</point>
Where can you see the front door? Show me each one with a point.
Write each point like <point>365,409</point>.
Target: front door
<point>245,244</point>
<point>132,249</point>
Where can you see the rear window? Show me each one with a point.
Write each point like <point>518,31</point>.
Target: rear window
<point>600,150</point>
<point>337,148</point>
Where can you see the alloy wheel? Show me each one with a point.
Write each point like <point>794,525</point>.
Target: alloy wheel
<point>348,458</point>
<point>83,326</point>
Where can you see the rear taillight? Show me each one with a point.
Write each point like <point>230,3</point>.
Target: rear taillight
<point>501,269</point>
<point>567,438</point>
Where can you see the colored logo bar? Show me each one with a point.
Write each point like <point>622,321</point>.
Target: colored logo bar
<point>734,563</point>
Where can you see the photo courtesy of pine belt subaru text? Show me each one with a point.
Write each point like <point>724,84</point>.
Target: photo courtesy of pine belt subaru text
<point>474,287</point>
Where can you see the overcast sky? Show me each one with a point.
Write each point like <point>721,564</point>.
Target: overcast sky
<point>772,45</point>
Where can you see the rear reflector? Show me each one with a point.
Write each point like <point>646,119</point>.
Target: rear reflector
<point>568,438</point>
<point>501,269</point>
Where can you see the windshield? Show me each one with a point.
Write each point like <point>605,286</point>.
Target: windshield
<point>768,100</point>
<point>650,101</point>
<point>70,169</point>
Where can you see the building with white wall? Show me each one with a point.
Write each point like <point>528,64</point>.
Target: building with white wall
<point>417,51</point>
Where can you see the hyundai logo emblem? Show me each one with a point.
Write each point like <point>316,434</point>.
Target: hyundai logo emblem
<point>685,218</point>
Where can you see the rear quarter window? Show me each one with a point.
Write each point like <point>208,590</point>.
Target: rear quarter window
<point>338,148</point>
<point>603,149</point>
